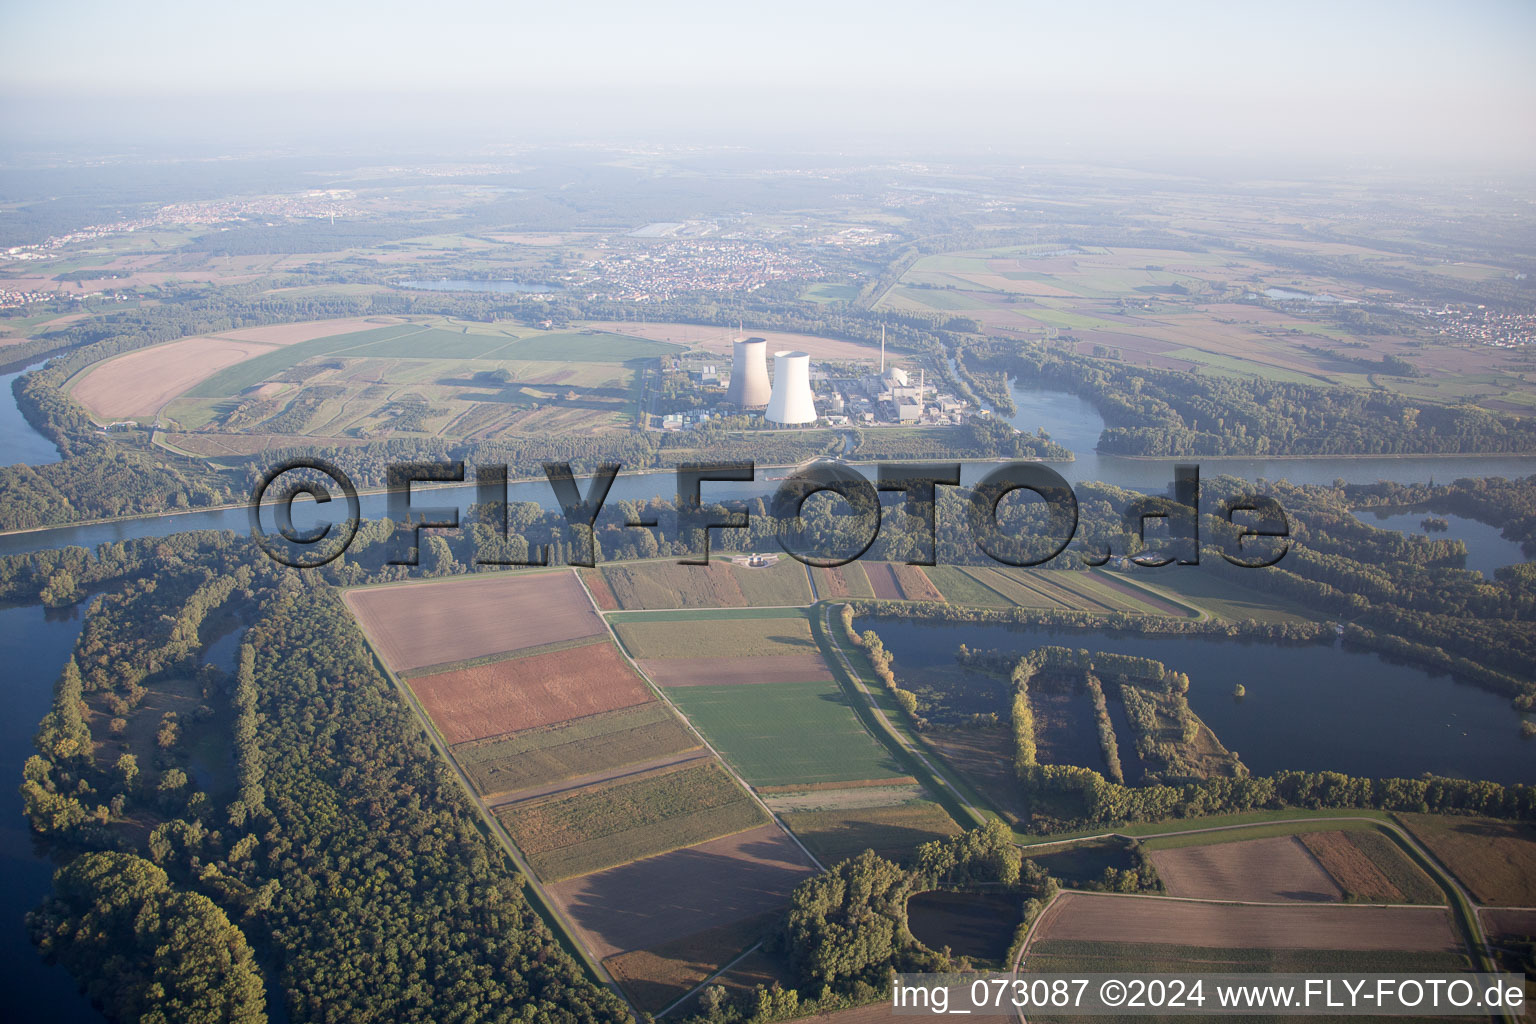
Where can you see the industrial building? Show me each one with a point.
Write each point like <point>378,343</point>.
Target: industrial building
<point>791,402</point>
<point>749,387</point>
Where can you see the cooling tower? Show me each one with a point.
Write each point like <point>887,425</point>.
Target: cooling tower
<point>791,401</point>
<point>749,387</point>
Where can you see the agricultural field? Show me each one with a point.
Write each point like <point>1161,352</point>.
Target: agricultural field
<point>842,581</point>
<point>528,691</point>
<point>1050,955</point>
<point>892,832</point>
<point>1198,311</point>
<point>1276,869</point>
<point>417,625</point>
<point>377,377</point>
<point>565,750</point>
<point>1091,917</point>
<point>782,734</point>
<point>1370,868</point>
<point>651,902</point>
<point>663,583</point>
<point>657,977</point>
<point>629,819</point>
<point>892,581</point>
<point>718,340</point>
<point>1495,860</point>
<point>787,635</point>
<point>139,384</point>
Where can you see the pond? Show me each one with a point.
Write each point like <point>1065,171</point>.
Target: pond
<point>34,644</point>
<point>1487,547</point>
<point>979,925</point>
<point>1308,707</point>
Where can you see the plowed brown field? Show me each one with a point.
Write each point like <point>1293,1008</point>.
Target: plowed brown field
<point>525,693</point>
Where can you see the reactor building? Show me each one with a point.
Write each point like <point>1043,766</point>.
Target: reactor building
<point>791,402</point>
<point>749,388</point>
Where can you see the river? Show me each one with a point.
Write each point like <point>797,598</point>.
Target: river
<point>19,442</point>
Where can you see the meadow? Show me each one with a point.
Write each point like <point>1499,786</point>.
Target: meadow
<point>780,734</point>
<point>664,583</point>
<point>716,637</point>
<point>892,832</point>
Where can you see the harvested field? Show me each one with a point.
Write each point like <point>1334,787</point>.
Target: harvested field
<point>883,581</point>
<point>717,637</point>
<point>720,584</point>
<point>1515,924</point>
<point>842,581</point>
<point>592,744</point>
<point>629,819</point>
<point>1496,860</point>
<point>141,382</point>
<point>1255,870</point>
<point>656,978</point>
<point>961,588</point>
<point>529,692</point>
<point>415,625</point>
<point>797,668</point>
<point>818,787</point>
<point>786,733</point>
<point>1073,955</point>
<point>1369,868</point>
<point>598,587</point>
<point>660,899</point>
<point>1094,917</point>
<point>506,802</point>
<point>892,832</point>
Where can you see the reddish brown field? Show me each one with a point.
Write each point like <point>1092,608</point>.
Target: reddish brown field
<point>1099,918</point>
<point>141,382</point>
<point>1351,868</point>
<point>915,583</point>
<point>664,898</point>
<point>437,623</point>
<point>791,668</point>
<point>602,595</point>
<point>525,693</point>
<point>883,581</point>
<point>1256,870</point>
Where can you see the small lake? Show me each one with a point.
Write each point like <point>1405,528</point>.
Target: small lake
<point>34,644</point>
<point>1308,707</point>
<point>445,284</point>
<point>1487,548</point>
<point>19,442</point>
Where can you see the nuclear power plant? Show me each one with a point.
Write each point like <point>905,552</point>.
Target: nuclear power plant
<point>791,401</point>
<point>749,388</point>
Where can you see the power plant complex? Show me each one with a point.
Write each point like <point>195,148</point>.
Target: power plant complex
<point>749,388</point>
<point>791,403</point>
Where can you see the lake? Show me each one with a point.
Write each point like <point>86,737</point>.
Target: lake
<point>34,644</point>
<point>1308,707</point>
<point>1487,548</point>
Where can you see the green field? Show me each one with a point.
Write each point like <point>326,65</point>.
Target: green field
<point>892,832</point>
<point>717,637</point>
<point>664,583</point>
<point>617,822</point>
<point>593,744</point>
<point>958,587</point>
<point>781,734</point>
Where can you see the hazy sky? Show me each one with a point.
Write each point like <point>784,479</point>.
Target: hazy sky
<point>1382,79</point>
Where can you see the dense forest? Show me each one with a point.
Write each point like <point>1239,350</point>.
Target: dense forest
<point>336,845</point>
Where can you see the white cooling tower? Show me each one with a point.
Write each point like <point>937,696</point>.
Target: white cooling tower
<point>791,401</point>
<point>749,388</point>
